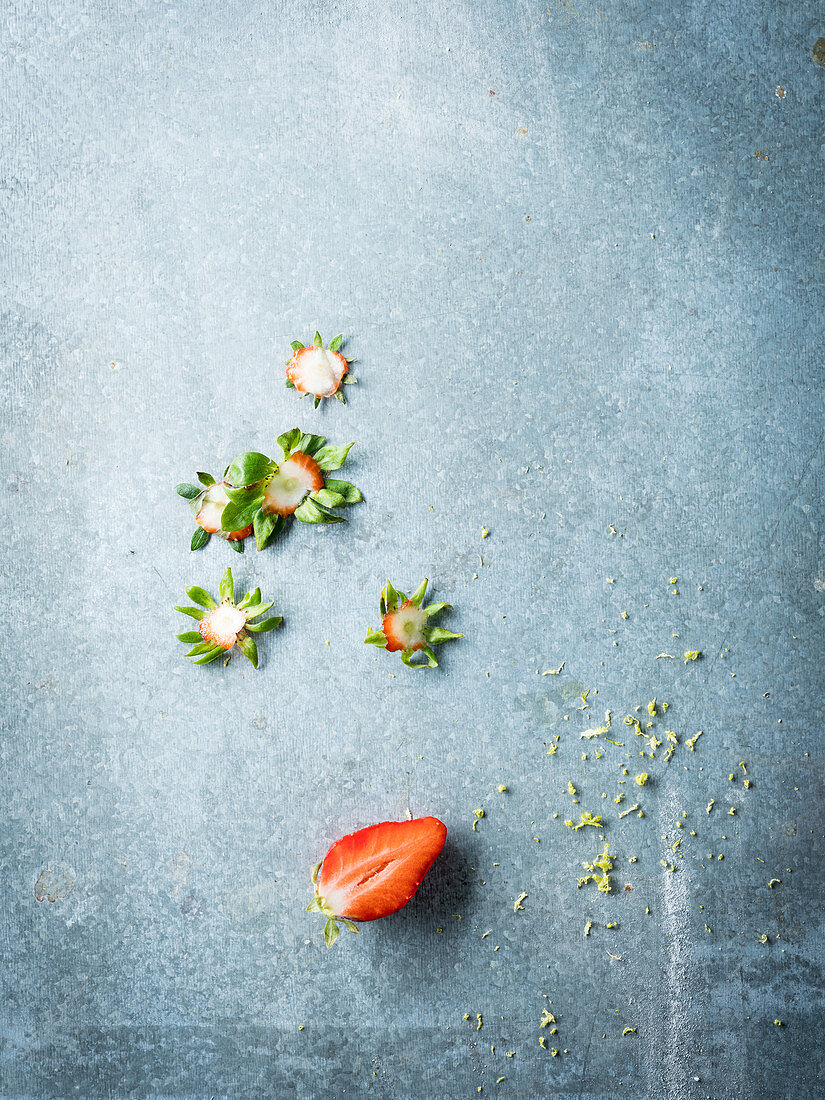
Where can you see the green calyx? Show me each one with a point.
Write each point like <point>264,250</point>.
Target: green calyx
<point>250,474</point>
<point>335,346</point>
<point>320,905</point>
<point>391,600</point>
<point>205,648</point>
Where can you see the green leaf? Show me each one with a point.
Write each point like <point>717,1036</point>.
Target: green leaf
<point>437,634</point>
<point>244,494</point>
<point>376,637</point>
<point>249,649</point>
<point>235,516</point>
<point>309,444</point>
<point>266,528</point>
<point>201,647</point>
<point>287,441</point>
<point>187,490</point>
<point>318,342</point>
<point>249,467</point>
<point>199,538</point>
<point>193,612</point>
<point>313,512</point>
<point>289,385</point>
<point>316,402</point>
<point>333,458</point>
<point>266,625</point>
<point>419,593</point>
<point>340,397</point>
<point>391,598</point>
<point>328,498</point>
<point>189,636</point>
<point>431,662</point>
<point>335,343</point>
<point>217,651</point>
<point>258,610</point>
<point>250,599</point>
<point>348,924</point>
<point>205,479</point>
<point>227,589</point>
<point>314,872</point>
<point>330,932</point>
<point>349,379</point>
<point>296,345</point>
<point>345,489</point>
<point>314,906</point>
<point>201,596</point>
<point>434,608</point>
<point>237,545</point>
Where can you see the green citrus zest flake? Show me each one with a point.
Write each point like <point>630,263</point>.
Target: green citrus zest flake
<point>651,707</point>
<point>691,741</point>
<point>547,1018</point>
<point>692,655</point>
<point>571,789</point>
<point>629,1031</point>
<point>587,927</point>
<point>517,904</point>
<point>585,819</point>
<point>642,778</point>
<point>774,882</point>
<point>629,810</point>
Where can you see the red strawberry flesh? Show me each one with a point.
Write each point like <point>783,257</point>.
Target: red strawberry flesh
<point>376,871</point>
<point>403,628</point>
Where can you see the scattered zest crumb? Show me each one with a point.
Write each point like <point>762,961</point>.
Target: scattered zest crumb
<point>629,1031</point>
<point>669,656</point>
<point>642,778</point>
<point>629,810</point>
<point>774,882</point>
<point>553,671</point>
<point>547,1018</point>
<point>517,904</point>
<point>587,927</point>
<point>585,819</point>
<point>692,655</point>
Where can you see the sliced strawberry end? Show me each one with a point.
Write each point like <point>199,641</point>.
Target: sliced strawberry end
<point>213,502</point>
<point>222,625</point>
<point>236,536</point>
<point>316,370</point>
<point>404,628</point>
<point>376,871</point>
<point>299,475</point>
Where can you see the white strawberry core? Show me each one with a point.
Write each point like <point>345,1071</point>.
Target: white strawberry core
<point>224,623</point>
<point>288,487</point>
<point>409,624</point>
<point>320,371</point>
<point>212,505</point>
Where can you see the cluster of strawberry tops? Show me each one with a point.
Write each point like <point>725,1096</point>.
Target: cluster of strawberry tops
<point>375,871</point>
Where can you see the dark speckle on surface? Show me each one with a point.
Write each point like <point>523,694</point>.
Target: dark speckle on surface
<point>588,319</point>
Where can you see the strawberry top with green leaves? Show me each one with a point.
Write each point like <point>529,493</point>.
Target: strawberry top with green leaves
<point>317,370</point>
<point>375,871</point>
<point>208,501</point>
<point>224,625</point>
<point>264,493</point>
<point>405,626</point>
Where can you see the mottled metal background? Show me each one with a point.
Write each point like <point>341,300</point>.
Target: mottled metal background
<point>576,246</point>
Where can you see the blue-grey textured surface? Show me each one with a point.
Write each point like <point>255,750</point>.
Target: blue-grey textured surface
<point>576,247</point>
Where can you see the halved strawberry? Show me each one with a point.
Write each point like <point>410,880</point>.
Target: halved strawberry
<point>405,626</point>
<point>226,624</point>
<point>296,477</point>
<point>374,872</point>
<point>318,370</point>
<point>212,504</point>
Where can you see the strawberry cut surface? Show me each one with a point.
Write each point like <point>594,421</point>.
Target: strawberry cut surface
<point>297,476</point>
<point>316,370</point>
<point>374,872</point>
<point>222,625</point>
<point>404,628</point>
<point>213,502</point>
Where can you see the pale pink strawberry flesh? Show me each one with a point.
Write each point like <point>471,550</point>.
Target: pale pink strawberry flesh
<point>222,625</point>
<point>317,371</point>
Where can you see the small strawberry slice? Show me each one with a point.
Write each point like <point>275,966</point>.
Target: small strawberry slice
<point>317,371</point>
<point>222,625</point>
<point>404,628</point>
<point>295,478</point>
<point>374,872</point>
<point>212,504</point>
